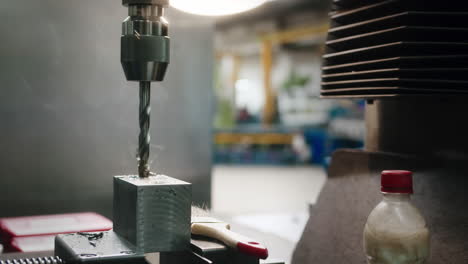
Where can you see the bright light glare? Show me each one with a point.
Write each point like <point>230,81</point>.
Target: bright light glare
<point>215,7</point>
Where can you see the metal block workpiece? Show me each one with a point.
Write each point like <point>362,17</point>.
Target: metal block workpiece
<point>153,213</point>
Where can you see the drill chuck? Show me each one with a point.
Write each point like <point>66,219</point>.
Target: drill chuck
<point>163,3</point>
<point>145,43</point>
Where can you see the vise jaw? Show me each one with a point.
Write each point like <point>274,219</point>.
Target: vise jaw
<point>150,215</point>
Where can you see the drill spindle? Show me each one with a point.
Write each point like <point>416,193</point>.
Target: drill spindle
<point>144,137</point>
<point>145,57</point>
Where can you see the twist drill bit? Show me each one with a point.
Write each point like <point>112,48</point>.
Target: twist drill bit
<point>144,137</point>
<point>145,57</point>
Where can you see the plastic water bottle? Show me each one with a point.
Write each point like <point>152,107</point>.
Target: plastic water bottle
<point>396,232</point>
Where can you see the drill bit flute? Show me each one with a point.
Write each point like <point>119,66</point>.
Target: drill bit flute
<point>144,137</point>
<point>145,57</point>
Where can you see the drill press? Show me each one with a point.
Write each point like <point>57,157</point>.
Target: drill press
<point>145,57</point>
<point>152,213</point>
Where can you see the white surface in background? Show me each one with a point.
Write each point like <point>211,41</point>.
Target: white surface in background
<point>265,189</point>
<point>1,248</point>
<point>267,203</point>
<point>287,226</point>
<point>249,95</point>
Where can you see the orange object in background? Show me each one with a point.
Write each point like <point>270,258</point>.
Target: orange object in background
<point>36,233</point>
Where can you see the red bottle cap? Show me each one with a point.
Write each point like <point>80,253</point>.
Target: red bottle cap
<point>397,181</point>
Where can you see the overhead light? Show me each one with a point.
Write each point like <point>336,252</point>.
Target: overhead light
<point>216,7</point>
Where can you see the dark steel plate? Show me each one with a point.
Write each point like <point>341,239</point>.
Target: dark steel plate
<point>417,73</point>
<point>403,33</point>
<point>450,61</point>
<point>422,84</point>
<point>396,49</point>
<point>407,18</point>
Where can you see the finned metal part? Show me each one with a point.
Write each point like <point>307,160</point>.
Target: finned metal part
<point>144,137</point>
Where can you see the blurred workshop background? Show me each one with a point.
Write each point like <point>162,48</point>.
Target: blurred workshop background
<point>273,135</point>
<point>239,114</point>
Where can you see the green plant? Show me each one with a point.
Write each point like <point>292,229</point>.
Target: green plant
<point>295,80</point>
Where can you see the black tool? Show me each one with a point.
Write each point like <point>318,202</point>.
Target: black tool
<point>145,57</point>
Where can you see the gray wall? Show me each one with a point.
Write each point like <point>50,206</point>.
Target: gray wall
<point>68,117</point>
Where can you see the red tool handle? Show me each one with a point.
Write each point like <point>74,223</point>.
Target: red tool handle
<point>254,249</point>
<point>221,232</point>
